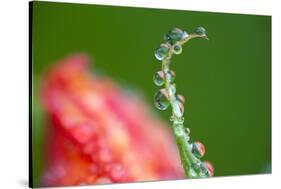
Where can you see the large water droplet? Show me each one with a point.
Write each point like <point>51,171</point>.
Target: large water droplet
<point>175,35</point>
<point>158,78</point>
<point>178,108</point>
<point>198,149</point>
<point>162,51</point>
<point>201,31</point>
<point>170,76</point>
<point>161,99</point>
<point>177,49</point>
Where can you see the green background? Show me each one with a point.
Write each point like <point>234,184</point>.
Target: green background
<point>226,80</point>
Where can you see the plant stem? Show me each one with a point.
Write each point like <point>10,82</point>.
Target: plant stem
<point>182,138</point>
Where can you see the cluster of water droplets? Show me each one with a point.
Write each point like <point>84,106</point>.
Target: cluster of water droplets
<point>171,38</point>
<point>162,98</point>
<point>159,77</point>
<point>167,96</point>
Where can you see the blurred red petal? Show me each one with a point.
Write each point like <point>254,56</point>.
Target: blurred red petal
<point>101,134</point>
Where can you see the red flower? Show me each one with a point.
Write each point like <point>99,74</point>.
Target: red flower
<point>100,134</point>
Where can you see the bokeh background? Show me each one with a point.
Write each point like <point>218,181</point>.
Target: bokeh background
<point>226,80</point>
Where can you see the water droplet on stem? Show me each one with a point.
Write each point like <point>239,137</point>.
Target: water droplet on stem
<point>161,99</point>
<point>162,51</point>
<point>175,35</point>
<point>158,78</point>
<point>177,49</point>
<point>198,149</point>
<point>201,31</point>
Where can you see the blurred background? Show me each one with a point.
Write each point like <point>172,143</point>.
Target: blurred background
<point>226,81</point>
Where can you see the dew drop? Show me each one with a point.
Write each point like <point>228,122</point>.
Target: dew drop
<point>175,35</point>
<point>177,49</point>
<point>162,51</point>
<point>170,76</point>
<point>178,109</point>
<point>158,78</point>
<point>180,98</point>
<point>160,99</point>
<point>201,31</point>
<point>206,169</point>
<point>198,149</point>
<point>210,168</point>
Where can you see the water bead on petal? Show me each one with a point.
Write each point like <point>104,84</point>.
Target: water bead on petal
<point>198,149</point>
<point>177,49</point>
<point>162,51</point>
<point>161,99</point>
<point>158,78</point>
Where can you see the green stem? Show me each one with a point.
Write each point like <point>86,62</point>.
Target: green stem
<point>185,151</point>
<point>182,138</point>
